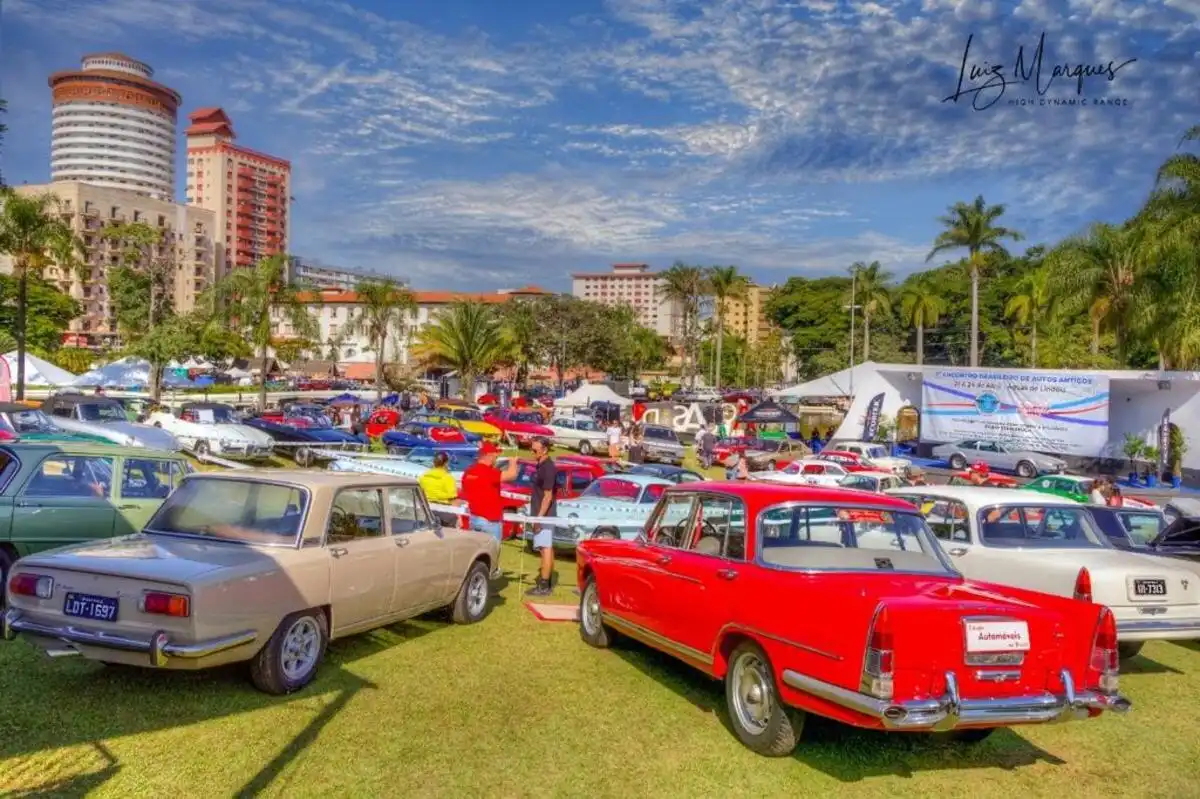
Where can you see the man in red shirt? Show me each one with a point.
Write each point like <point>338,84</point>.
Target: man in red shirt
<point>639,410</point>
<point>481,489</point>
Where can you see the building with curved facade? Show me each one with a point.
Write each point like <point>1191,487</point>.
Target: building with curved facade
<point>114,126</point>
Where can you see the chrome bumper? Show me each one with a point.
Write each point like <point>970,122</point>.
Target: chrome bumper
<point>158,646</point>
<point>1151,629</point>
<point>952,712</point>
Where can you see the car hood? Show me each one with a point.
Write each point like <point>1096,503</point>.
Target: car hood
<point>130,433</point>
<point>233,432</point>
<point>151,557</point>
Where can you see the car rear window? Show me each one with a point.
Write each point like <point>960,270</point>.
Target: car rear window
<point>246,511</point>
<point>809,537</point>
<point>1032,526</point>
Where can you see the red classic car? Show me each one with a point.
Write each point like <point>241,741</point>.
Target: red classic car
<point>572,479</point>
<point>518,426</point>
<point>841,603</point>
<point>850,461</point>
<point>382,420</point>
<point>599,466</point>
<point>991,479</point>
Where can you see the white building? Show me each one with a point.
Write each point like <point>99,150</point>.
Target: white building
<point>634,285</point>
<point>114,126</point>
<point>321,276</point>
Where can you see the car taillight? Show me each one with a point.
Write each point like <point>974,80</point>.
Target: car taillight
<point>878,664</point>
<point>165,604</point>
<point>1083,586</point>
<point>38,585</point>
<point>1105,662</point>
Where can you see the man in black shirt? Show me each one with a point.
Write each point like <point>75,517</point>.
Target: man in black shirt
<point>543,504</point>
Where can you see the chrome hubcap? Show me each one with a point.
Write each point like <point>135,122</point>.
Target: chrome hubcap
<point>591,610</point>
<point>751,693</point>
<point>477,593</point>
<point>301,645</point>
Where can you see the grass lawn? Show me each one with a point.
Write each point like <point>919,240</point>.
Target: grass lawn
<point>518,707</point>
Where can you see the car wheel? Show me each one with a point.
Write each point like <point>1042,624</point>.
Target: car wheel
<point>474,597</point>
<point>591,620</point>
<point>303,457</point>
<point>6,562</point>
<point>158,425</point>
<point>585,448</point>
<point>759,719</point>
<point>394,450</point>
<point>973,735</point>
<point>1125,651</point>
<point>958,462</point>
<point>1026,469</point>
<point>201,448</point>
<point>290,659</point>
<point>608,533</point>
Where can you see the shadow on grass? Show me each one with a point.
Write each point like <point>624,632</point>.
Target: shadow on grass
<point>1192,645</point>
<point>846,753</point>
<point>1140,664</point>
<point>80,785</point>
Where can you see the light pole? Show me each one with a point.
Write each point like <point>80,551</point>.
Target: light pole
<point>852,308</point>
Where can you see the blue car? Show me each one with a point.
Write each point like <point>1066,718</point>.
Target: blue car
<point>302,425</point>
<point>665,471</point>
<point>413,435</point>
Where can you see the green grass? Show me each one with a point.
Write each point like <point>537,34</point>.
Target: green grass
<point>517,707</point>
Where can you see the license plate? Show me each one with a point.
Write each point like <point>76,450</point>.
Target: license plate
<point>997,636</point>
<point>89,606</point>
<point>1149,587</point>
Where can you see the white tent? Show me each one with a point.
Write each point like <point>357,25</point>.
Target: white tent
<point>845,383</point>
<point>123,373</point>
<point>588,393</point>
<point>37,371</point>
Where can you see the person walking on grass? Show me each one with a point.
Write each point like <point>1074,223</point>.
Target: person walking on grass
<point>708,445</point>
<point>614,439</point>
<point>481,489</point>
<point>542,504</point>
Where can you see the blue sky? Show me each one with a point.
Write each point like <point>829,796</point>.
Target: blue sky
<point>472,144</point>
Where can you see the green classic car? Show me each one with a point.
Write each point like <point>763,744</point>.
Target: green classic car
<point>53,494</point>
<point>1070,486</point>
<point>32,424</point>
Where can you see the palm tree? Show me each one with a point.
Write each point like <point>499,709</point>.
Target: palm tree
<point>683,286</point>
<point>1033,302</point>
<point>1097,271</point>
<point>1164,309</point>
<point>254,300</point>
<point>466,337</point>
<point>522,326</point>
<point>921,307</point>
<point>725,284</point>
<point>971,226</point>
<point>383,306</point>
<point>872,295</point>
<point>34,236</point>
<point>1173,210</point>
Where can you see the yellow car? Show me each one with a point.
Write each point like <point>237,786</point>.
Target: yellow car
<point>467,419</point>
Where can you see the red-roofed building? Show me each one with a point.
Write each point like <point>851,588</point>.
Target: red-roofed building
<point>249,191</point>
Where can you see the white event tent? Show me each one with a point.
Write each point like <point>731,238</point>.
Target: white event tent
<point>37,371</point>
<point>124,373</point>
<point>588,393</point>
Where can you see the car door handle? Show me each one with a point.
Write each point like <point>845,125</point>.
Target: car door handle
<point>126,507</point>
<point>663,560</point>
<point>337,552</point>
<point>402,541</point>
<point>958,551</point>
<point>24,504</point>
<point>727,574</point>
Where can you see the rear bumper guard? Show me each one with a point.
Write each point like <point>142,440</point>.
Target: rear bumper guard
<point>158,647</point>
<point>1151,629</point>
<point>952,712</point>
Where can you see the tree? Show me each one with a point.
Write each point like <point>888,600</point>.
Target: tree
<point>921,307</point>
<point>1165,307</point>
<point>252,300</point>
<point>1095,273</point>
<point>34,235</point>
<point>684,287</point>
<point>973,227</point>
<point>383,306</point>
<point>76,360</point>
<point>3,129</point>
<point>1033,303</point>
<point>1173,211</point>
<point>870,293</point>
<point>724,284</point>
<point>466,337</point>
<point>141,286</point>
<point>292,349</point>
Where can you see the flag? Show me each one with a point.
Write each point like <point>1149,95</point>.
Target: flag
<point>1164,441</point>
<point>5,381</point>
<point>871,421</point>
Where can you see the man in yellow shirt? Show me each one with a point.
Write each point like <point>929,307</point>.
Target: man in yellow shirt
<point>438,485</point>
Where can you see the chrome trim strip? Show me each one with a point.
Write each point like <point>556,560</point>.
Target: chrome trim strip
<point>159,646</point>
<point>997,675</point>
<point>654,639</point>
<point>1158,625</point>
<point>951,711</point>
<point>776,638</point>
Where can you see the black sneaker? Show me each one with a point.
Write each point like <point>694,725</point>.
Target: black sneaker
<point>542,588</point>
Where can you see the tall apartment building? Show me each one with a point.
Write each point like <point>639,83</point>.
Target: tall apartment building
<point>634,285</point>
<point>89,209</point>
<point>321,276</point>
<point>248,191</point>
<point>748,319</point>
<point>114,126</point>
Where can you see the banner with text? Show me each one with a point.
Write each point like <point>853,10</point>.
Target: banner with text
<point>1057,413</point>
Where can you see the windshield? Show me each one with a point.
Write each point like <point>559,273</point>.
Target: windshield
<point>876,452</point>
<point>586,424</point>
<point>310,418</point>
<point>31,421</point>
<point>468,415</point>
<point>1034,526</point>
<point>527,418</point>
<point>244,511</point>
<point>210,415</point>
<point>623,491</point>
<point>661,433</point>
<point>423,456</point>
<point>525,475</point>
<point>101,412</point>
<point>1138,527</point>
<point>804,537</point>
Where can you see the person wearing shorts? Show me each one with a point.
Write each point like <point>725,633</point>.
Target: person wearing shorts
<point>481,489</point>
<point>542,504</point>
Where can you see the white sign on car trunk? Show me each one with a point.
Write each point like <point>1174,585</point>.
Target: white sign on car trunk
<point>1056,412</point>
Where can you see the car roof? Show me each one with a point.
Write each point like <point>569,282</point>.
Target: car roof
<point>1190,506</point>
<point>81,399</point>
<point>88,448</point>
<point>640,479</point>
<point>763,493</point>
<point>985,495</point>
<point>306,477</point>
<point>199,406</point>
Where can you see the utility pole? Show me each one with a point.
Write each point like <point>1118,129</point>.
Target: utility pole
<point>852,308</point>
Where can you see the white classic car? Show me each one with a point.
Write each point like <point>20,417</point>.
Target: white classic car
<point>809,471</point>
<point>579,433</point>
<point>614,506</point>
<point>412,464</point>
<point>1051,544</point>
<point>258,566</point>
<point>105,417</point>
<point>873,454</point>
<point>214,428</point>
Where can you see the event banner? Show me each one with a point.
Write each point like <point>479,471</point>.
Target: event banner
<point>871,422</point>
<point>1059,413</point>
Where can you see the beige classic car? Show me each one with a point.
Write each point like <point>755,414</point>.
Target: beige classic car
<point>258,566</point>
